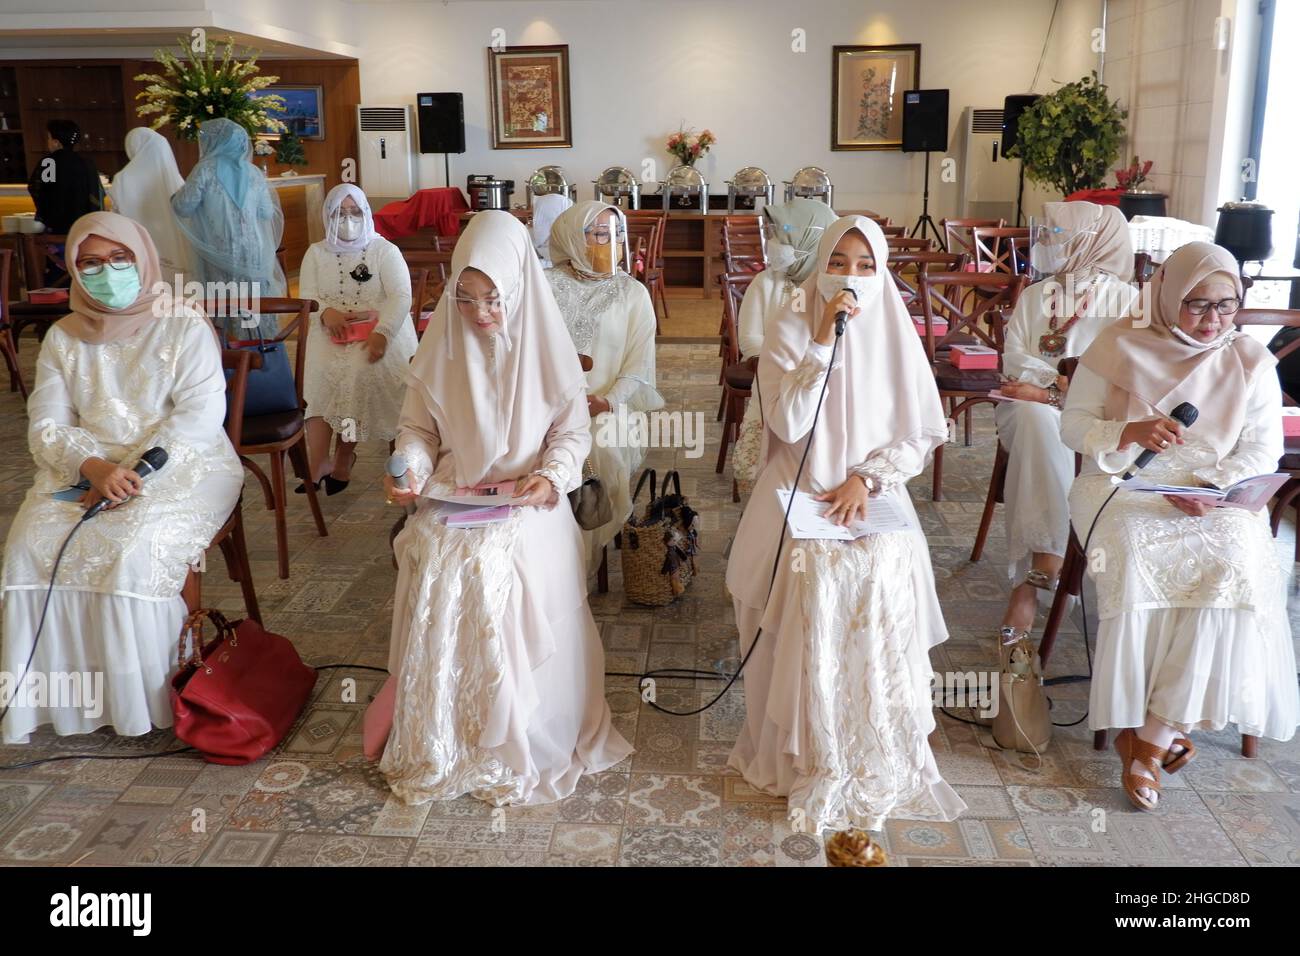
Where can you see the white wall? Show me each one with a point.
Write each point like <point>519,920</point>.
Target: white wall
<point>640,69</point>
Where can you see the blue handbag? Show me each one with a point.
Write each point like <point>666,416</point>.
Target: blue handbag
<point>271,389</point>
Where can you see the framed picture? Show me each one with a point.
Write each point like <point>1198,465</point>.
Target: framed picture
<point>530,97</point>
<point>867,84</point>
<point>304,110</point>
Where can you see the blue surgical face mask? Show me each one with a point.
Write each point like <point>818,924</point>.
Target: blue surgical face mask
<point>114,288</point>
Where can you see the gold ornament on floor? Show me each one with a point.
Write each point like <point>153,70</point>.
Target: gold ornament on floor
<point>854,848</point>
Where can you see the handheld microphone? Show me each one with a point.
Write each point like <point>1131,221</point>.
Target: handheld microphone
<point>397,467</point>
<point>149,462</point>
<point>843,317</point>
<point>1185,414</point>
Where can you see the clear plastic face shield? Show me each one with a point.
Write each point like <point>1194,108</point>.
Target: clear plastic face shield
<point>479,301</point>
<point>606,239</point>
<point>348,222</point>
<point>782,253</point>
<point>1050,247</point>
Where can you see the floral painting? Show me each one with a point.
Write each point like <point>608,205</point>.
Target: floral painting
<point>530,97</point>
<point>867,94</point>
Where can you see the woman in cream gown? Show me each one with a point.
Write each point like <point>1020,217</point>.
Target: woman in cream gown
<point>143,191</point>
<point>794,229</point>
<point>498,671</point>
<point>1193,632</point>
<point>837,691</point>
<point>112,381</point>
<point>609,318</point>
<point>353,390</point>
<point>1086,251</point>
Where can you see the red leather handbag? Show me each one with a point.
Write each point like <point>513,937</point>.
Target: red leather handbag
<point>236,698</point>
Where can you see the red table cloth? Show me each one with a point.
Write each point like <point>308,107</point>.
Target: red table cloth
<point>429,207</point>
<point>1102,197</point>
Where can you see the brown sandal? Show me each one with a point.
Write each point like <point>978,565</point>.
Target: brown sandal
<point>1177,762</point>
<point>1131,748</point>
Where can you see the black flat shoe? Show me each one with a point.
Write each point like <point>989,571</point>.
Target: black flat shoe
<point>333,486</point>
<point>302,488</point>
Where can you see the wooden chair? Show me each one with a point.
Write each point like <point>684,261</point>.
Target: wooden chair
<point>941,297</point>
<point>737,376</point>
<point>728,331</point>
<point>230,538</point>
<point>16,383</point>
<point>894,232</point>
<point>957,233</point>
<point>282,434</point>
<point>744,248</point>
<point>1001,249</point>
<point>602,572</point>
<point>1144,267</point>
<point>38,251</point>
<point>419,282</point>
<point>436,266</point>
<point>905,266</point>
<point>904,244</point>
<point>653,277</point>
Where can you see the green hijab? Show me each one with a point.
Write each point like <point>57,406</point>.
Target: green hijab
<point>801,223</point>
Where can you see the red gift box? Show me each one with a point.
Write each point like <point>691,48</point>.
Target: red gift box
<point>974,356</point>
<point>47,296</point>
<point>940,326</point>
<point>1291,422</point>
<point>423,322</point>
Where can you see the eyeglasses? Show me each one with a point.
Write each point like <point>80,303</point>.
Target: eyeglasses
<point>94,266</point>
<point>601,236</point>
<point>344,214</point>
<point>1201,306</point>
<point>472,308</point>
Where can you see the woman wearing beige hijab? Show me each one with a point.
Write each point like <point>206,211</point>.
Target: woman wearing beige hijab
<point>125,371</point>
<point>837,689</point>
<point>610,318</point>
<point>1085,253</point>
<point>498,672</point>
<point>1194,633</point>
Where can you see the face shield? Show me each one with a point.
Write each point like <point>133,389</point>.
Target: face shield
<point>606,240</point>
<point>1050,247</point>
<point>782,253</point>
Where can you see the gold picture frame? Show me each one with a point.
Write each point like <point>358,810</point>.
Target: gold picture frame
<point>530,97</point>
<point>867,84</point>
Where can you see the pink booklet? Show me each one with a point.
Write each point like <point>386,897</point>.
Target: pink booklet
<point>476,517</point>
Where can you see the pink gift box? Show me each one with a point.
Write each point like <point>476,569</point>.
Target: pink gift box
<point>423,322</point>
<point>1291,422</point>
<point>47,296</point>
<point>940,326</point>
<point>974,356</point>
<point>357,330</point>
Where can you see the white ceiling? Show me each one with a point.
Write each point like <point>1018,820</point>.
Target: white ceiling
<point>131,43</point>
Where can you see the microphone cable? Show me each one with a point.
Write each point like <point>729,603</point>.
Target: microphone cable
<point>687,673</point>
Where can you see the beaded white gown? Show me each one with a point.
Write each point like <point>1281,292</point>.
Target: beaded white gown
<point>359,399</point>
<point>116,607</point>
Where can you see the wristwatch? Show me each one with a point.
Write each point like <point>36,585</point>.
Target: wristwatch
<point>1054,395</point>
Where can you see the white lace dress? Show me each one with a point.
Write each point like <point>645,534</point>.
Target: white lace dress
<point>359,399</point>
<point>1040,468</point>
<point>837,694</point>
<point>1193,617</point>
<point>497,661</point>
<point>116,609</point>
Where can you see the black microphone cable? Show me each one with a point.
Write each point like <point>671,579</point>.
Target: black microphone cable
<point>686,673</point>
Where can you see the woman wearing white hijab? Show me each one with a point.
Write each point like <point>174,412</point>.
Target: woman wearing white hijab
<point>610,318</point>
<point>1086,251</point>
<point>1194,631</point>
<point>546,209</point>
<point>498,671</point>
<point>837,692</point>
<point>143,191</point>
<point>353,389</point>
<point>794,229</point>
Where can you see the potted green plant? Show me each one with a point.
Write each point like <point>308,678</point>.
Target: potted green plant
<point>1070,138</point>
<point>289,149</point>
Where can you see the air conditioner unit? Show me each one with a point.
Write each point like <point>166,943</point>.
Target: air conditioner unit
<point>386,138</point>
<point>989,179</point>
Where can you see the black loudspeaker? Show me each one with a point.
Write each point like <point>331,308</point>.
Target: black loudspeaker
<point>442,122</point>
<point>925,121</point>
<point>1012,107</point>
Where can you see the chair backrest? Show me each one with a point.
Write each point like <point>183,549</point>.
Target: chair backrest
<point>995,299</point>
<point>904,244</point>
<point>240,361</point>
<point>438,266</point>
<point>1144,267</point>
<point>1001,249</point>
<point>37,248</point>
<point>6,262</point>
<point>660,221</point>
<point>296,327</point>
<point>734,285</point>
<point>1286,318</point>
<point>957,233</point>
<point>893,232</point>
<point>743,244</point>
<point>419,279</point>
<point>445,243</point>
<point>905,266</point>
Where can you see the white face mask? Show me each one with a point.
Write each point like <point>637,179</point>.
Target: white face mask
<point>866,288</point>
<point>780,257</point>
<point>348,228</point>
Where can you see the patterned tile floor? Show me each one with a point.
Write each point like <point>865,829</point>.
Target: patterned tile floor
<point>316,801</point>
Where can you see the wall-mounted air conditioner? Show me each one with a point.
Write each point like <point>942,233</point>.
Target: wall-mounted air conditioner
<point>988,181</point>
<point>386,135</point>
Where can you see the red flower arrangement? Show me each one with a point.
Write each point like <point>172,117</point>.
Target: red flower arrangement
<point>688,146</point>
<point>1134,176</point>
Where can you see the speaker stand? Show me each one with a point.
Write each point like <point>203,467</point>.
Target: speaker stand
<point>1020,195</point>
<point>925,222</point>
<point>446,169</point>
